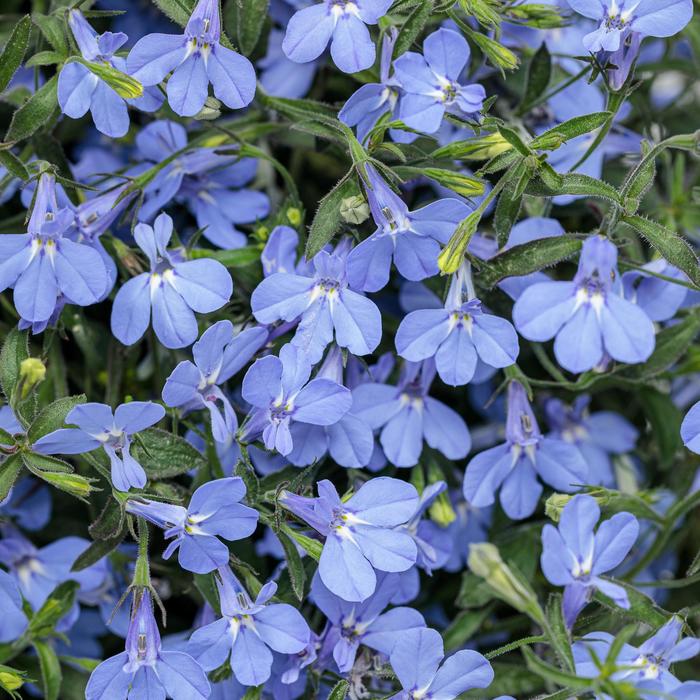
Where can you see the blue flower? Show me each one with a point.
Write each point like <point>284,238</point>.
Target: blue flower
<point>352,50</point>
<point>13,621</point>
<point>81,89</point>
<point>281,77</point>
<point>99,427</point>
<point>218,355</point>
<point>516,464</point>
<point>281,394</point>
<point>249,631</point>
<point>359,532</point>
<point>29,502</point>
<point>575,557</point>
<point>174,289</point>
<point>196,58</point>
<point>431,82</point>
<point>214,511</point>
<point>417,660</point>
<point>690,429</point>
<point>658,298</point>
<point>588,316</point>
<point>145,670</point>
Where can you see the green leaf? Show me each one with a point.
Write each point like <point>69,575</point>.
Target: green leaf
<point>10,468</point>
<point>109,523</point>
<point>54,608</point>
<point>97,550</point>
<point>575,184</point>
<point>327,221</point>
<point>642,607</point>
<point>464,627</point>
<point>413,26</point>
<point>669,244</point>
<point>340,691</point>
<point>508,206</point>
<point>178,11</point>
<point>52,27</point>
<point>51,677</point>
<point>570,129</point>
<point>240,257</point>
<point>640,181</point>
<point>665,419</point>
<point>15,349</point>
<point>44,58</point>
<point>312,547</point>
<point>515,140</point>
<point>539,72</point>
<point>37,462</point>
<point>246,18</point>
<point>295,566</point>
<point>53,416</point>
<point>462,184</point>
<point>528,257</point>
<point>552,673</point>
<point>164,455</point>
<point>206,585</point>
<point>14,50</point>
<point>558,633</point>
<point>510,679</point>
<point>38,112</point>
<point>13,165</point>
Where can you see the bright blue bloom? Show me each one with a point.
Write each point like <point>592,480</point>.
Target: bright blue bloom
<point>249,631</point>
<point>214,511</point>
<point>218,355</point>
<point>280,254</point>
<point>411,239</point>
<point>471,525</point>
<point>209,184</point>
<point>457,335</point>
<point>281,394</point>
<point>281,77</point>
<point>360,538</point>
<point>574,556</point>
<point>516,464</point>
<point>145,671</point>
<point>659,299</point>
<point>80,90</point>
<point>196,58</point>
<point>431,82</point>
<point>29,503</point>
<point>366,623</point>
<point>13,621</point>
<point>174,289</point>
<point>325,305</point>
<point>597,435</point>
<point>113,432</point>
<point>690,429</point>
<point>407,416</point>
<point>417,660</point>
<point>588,316</point>
<point>44,266</point>
<point>343,21</point>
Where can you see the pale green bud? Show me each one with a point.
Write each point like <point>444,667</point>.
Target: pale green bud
<point>32,371</point>
<point>354,210</point>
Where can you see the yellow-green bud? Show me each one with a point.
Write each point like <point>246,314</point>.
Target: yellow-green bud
<point>10,679</point>
<point>453,253</point>
<point>74,484</point>
<point>210,111</point>
<point>294,216</point>
<point>465,185</point>
<point>441,511</point>
<point>554,505</point>
<point>32,371</point>
<point>354,210</point>
<point>124,85</point>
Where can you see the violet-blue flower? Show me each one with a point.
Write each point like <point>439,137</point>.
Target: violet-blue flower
<point>588,317</point>
<point>660,299</point>
<point>173,290</point>
<point>359,532</point>
<point>196,58</point>
<point>690,429</point>
<point>113,432</point>
<point>515,466</point>
<point>214,511</point>
<point>574,556</point>
<point>218,355</point>
<point>13,621</point>
<point>249,631</point>
<point>281,77</point>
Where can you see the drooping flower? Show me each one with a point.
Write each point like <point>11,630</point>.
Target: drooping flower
<point>457,335</point>
<point>407,416</point>
<point>145,670</point>
<point>417,660</point>
<point>411,239</point>
<point>342,21</point>
<point>196,58</point>
<point>574,556</point>
<point>98,83</point>
<point>214,511</point>
<point>218,355</point>
<point>281,394</point>
<point>249,631</point>
<point>515,466</point>
<point>359,532</point>
<point>430,82</point>
<point>173,290</point>
<point>113,432</point>
<point>588,317</point>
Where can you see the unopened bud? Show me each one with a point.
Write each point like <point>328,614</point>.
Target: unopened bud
<point>32,371</point>
<point>10,679</point>
<point>354,210</point>
<point>537,15</point>
<point>210,111</point>
<point>555,504</point>
<point>453,253</point>
<point>441,511</point>
<point>74,484</point>
<point>124,85</point>
<point>294,216</point>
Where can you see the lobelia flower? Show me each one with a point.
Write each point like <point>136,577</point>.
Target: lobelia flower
<point>597,435</point>
<point>352,624</point>
<point>658,298</point>
<point>588,317</point>
<point>359,532</point>
<point>411,239</point>
<point>98,83</point>
<point>214,511</point>
<point>325,304</point>
<point>516,464</point>
<point>28,502</point>
<point>342,21</point>
<point>281,77</point>
<point>113,432</point>
<point>574,556</point>
<point>690,429</point>
<point>196,58</point>
<point>13,621</point>
<point>623,25</point>
<point>407,416</point>
<point>44,267</point>
<point>249,631</point>
<point>457,335</point>
<point>281,394</point>
<point>417,660</point>
<point>430,82</point>
<point>218,355</point>
<point>174,290</point>
<point>145,670</point>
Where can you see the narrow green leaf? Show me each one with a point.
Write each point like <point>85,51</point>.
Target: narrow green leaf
<point>54,608</point>
<point>44,58</point>
<point>164,455</point>
<point>665,419</point>
<point>515,140</point>
<point>245,19</point>
<point>109,522</point>
<point>575,184</point>
<point>340,691</point>
<point>15,349</point>
<point>642,607</point>
<point>36,462</point>
<point>206,585</point>
<point>51,677</point>
<point>295,566</point>
<point>508,206</point>
<point>53,416</point>
<point>539,72</point>
<point>13,52</point>
<point>38,112</point>
<point>552,673</point>
<point>240,257</point>
<point>10,468</point>
<point>413,26</point>
<point>53,30</point>
<point>13,165</point>
<point>570,129</point>
<point>178,11</point>
<point>464,627</point>
<point>558,632</point>
<point>312,547</point>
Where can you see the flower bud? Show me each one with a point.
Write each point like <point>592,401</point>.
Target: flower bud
<point>453,253</point>
<point>294,216</point>
<point>554,505</point>
<point>210,111</point>
<point>354,210</point>
<point>124,85</point>
<point>10,679</point>
<point>74,484</point>
<point>32,371</point>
